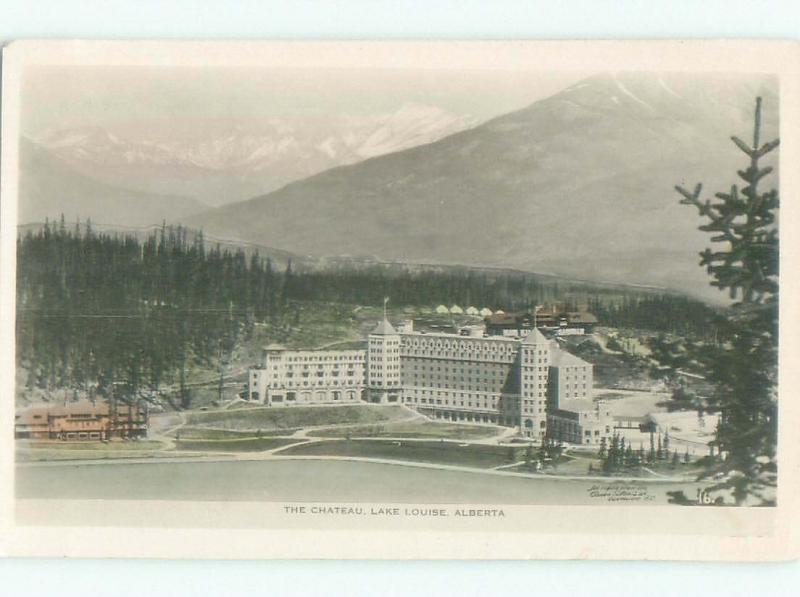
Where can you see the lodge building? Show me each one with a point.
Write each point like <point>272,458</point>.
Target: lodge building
<point>525,382</point>
<point>555,318</point>
<point>81,421</point>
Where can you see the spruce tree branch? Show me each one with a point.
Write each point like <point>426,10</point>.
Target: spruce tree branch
<point>692,198</point>
<point>767,147</point>
<point>743,146</point>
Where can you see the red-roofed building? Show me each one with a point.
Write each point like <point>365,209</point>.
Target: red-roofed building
<point>80,421</point>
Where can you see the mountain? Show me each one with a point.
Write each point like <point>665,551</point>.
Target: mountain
<point>224,161</point>
<point>48,187</point>
<point>412,125</point>
<point>578,184</point>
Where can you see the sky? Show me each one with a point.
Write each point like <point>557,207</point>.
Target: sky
<point>58,98</point>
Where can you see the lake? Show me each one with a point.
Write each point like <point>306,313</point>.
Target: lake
<point>311,480</point>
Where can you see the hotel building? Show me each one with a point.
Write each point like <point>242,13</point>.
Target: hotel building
<point>287,377</point>
<point>511,381</point>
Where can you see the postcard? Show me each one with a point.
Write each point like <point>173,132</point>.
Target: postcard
<point>399,299</point>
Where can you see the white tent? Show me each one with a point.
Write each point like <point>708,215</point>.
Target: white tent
<point>456,310</point>
<point>499,312</point>
<point>472,311</point>
<point>441,309</point>
<point>486,312</point>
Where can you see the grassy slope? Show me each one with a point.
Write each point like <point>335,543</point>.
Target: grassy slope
<point>235,445</point>
<point>200,433</point>
<point>478,456</point>
<point>411,429</point>
<point>292,417</point>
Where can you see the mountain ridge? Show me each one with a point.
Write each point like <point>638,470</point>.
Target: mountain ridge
<point>48,187</point>
<point>226,160</point>
<point>579,183</point>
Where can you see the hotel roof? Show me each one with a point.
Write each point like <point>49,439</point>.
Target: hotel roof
<point>562,358</point>
<point>453,336</point>
<point>83,407</point>
<point>535,337</point>
<point>384,329</point>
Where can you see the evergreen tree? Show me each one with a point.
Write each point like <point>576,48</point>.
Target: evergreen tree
<point>543,452</point>
<point>613,453</point>
<point>744,369</point>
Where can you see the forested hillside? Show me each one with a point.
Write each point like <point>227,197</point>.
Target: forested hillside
<point>99,313</point>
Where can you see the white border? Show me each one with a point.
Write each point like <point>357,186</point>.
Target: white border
<point>689,56</point>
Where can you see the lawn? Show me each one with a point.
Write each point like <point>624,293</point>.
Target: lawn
<point>471,455</point>
<point>112,446</point>
<point>291,417</point>
<point>56,450</point>
<point>201,433</point>
<point>250,444</point>
<point>410,429</point>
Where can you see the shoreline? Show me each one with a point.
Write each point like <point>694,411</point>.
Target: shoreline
<point>199,459</point>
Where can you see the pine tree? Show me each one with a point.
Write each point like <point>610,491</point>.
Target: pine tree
<point>744,370</point>
<point>613,453</point>
<point>288,284</point>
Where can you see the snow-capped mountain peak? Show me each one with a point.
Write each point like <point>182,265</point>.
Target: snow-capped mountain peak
<point>257,156</point>
<point>413,124</point>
